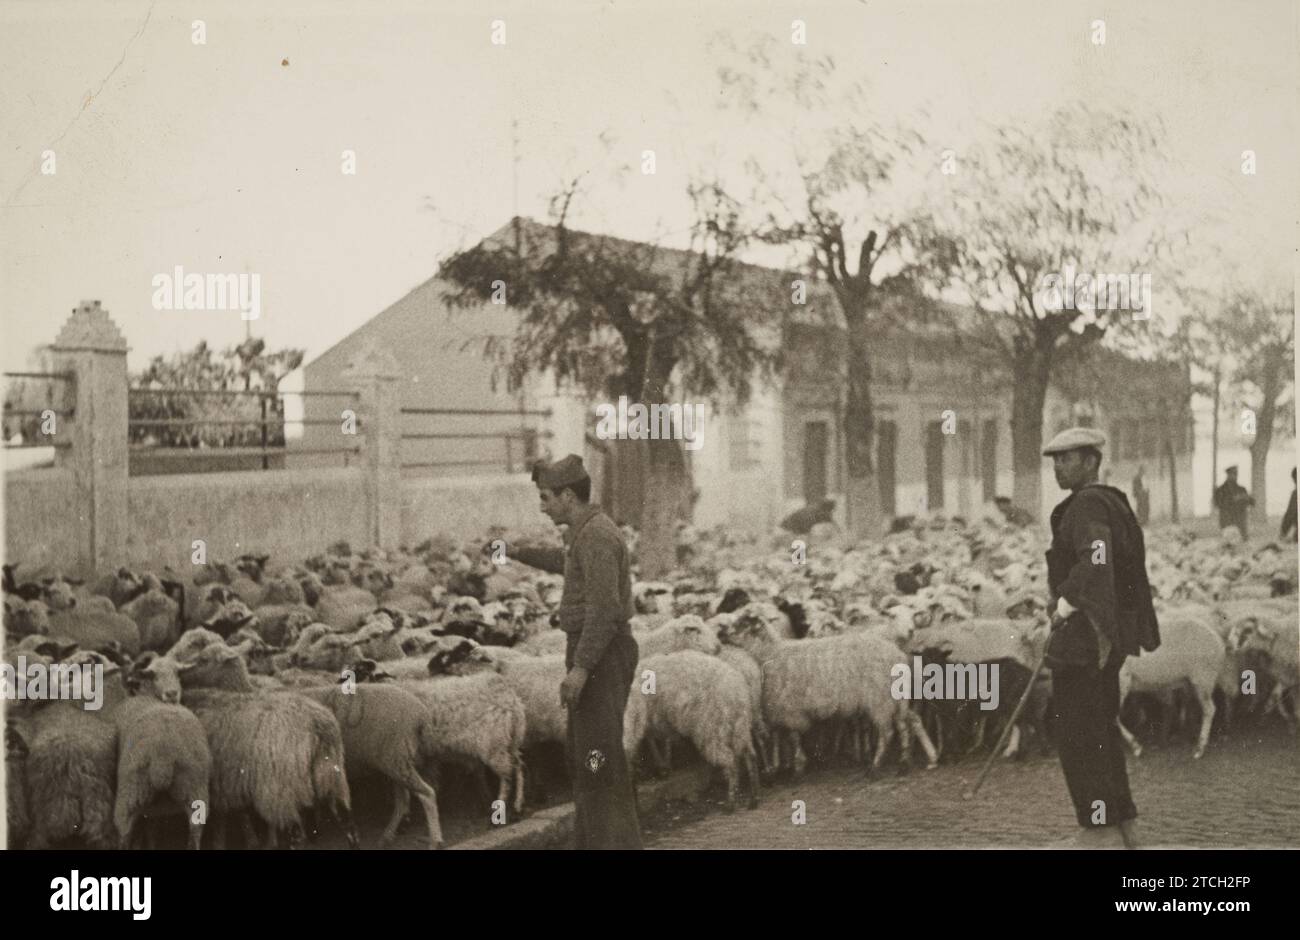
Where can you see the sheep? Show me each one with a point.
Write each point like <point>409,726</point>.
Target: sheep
<point>17,816</point>
<point>536,681</point>
<point>377,637</point>
<point>274,753</point>
<point>806,681</point>
<point>1190,652</point>
<point>707,702</point>
<point>162,750</point>
<point>25,618</point>
<point>476,716</point>
<point>95,630</point>
<point>680,633</point>
<point>156,614</point>
<point>330,653</point>
<point>344,607</point>
<point>280,624</point>
<point>388,729</point>
<point>749,670</point>
<point>71,769</point>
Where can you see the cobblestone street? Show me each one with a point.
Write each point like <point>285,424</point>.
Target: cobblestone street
<point>1244,793</point>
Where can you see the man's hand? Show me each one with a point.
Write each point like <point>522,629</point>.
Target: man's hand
<point>572,686</point>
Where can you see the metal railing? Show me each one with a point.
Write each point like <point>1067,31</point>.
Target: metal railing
<point>527,437</point>
<point>271,417</point>
<point>11,412</point>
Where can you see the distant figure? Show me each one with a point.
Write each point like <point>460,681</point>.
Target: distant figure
<point>1289,530</point>
<point>801,521</point>
<point>1014,515</point>
<point>1232,500</point>
<point>1141,498</point>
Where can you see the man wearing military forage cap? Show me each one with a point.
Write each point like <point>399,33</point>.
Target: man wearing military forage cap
<point>1102,612</point>
<point>595,611</point>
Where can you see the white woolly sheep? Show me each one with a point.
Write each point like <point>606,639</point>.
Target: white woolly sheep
<point>707,702</point>
<point>1189,651</point>
<point>688,632</point>
<point>388,729</point>
<point>162,750</point>
<point>478,718</point>
<point>845,677</point>
<point>273,753</point>
<point>97,630</point>
<point>749,670</point>
<point>71,769</point>
<point>156,614</point>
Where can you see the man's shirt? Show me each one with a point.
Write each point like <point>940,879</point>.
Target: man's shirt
<point>597,598</point>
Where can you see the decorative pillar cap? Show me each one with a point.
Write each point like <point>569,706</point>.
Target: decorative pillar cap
<point>90,327</point>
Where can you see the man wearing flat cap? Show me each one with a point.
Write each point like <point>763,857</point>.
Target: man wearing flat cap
<point>1102,612</point>
<point>601,656</point>
<point>1232,500</point>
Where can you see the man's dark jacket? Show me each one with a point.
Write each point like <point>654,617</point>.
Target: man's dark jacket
<point>1115,595</point>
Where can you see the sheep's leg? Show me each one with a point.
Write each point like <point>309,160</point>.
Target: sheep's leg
<point>249,830</point>
<point>401,802</point>
<point>342,815</point>
<point>429,801</point>
<point>904,733</point>
<point>800,759</point>
<point>503,787</point>
<point>729,773</point>
<point>519,784</point>
<point>661,753</point>
<point>751,772</point>
<point>882,744</point>
<point>1207,719</point>
<point>837,737</point>
<point>195,835</point>
<point>1131,741</point>
<point>931,753</point>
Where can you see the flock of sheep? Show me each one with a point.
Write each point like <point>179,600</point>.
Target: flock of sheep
<point>262,696</point>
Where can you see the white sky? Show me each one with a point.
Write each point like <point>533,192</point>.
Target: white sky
<point>218,158</point>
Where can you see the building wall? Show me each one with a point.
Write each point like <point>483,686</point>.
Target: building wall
<point>437,370</point>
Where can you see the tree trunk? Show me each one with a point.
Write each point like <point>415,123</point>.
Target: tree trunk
<point>628,486</point>
<point>862,493</point>
<point>1032,372</point>
<point>1214,437</point>
<point>1173,476</point>
<point>666,482</point>
<point>1269,384</point>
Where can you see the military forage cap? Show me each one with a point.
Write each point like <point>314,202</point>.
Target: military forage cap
<point>561,473</point>
<point>1072,438</point>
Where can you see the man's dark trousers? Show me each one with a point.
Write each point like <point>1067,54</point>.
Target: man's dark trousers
<point>1085,715</point>
<point>604,796</point>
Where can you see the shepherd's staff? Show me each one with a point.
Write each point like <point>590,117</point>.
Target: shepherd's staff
<point>1015,715</point>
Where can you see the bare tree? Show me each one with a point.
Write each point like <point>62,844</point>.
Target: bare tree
<point>1075,195</point>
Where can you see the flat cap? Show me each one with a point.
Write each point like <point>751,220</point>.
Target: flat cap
<point>1072,438</point>
<point>563,472</point>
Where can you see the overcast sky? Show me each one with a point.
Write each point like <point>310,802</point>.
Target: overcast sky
<point>220,158</point>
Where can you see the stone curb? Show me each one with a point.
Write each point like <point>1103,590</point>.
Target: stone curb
<point>553,828</point>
